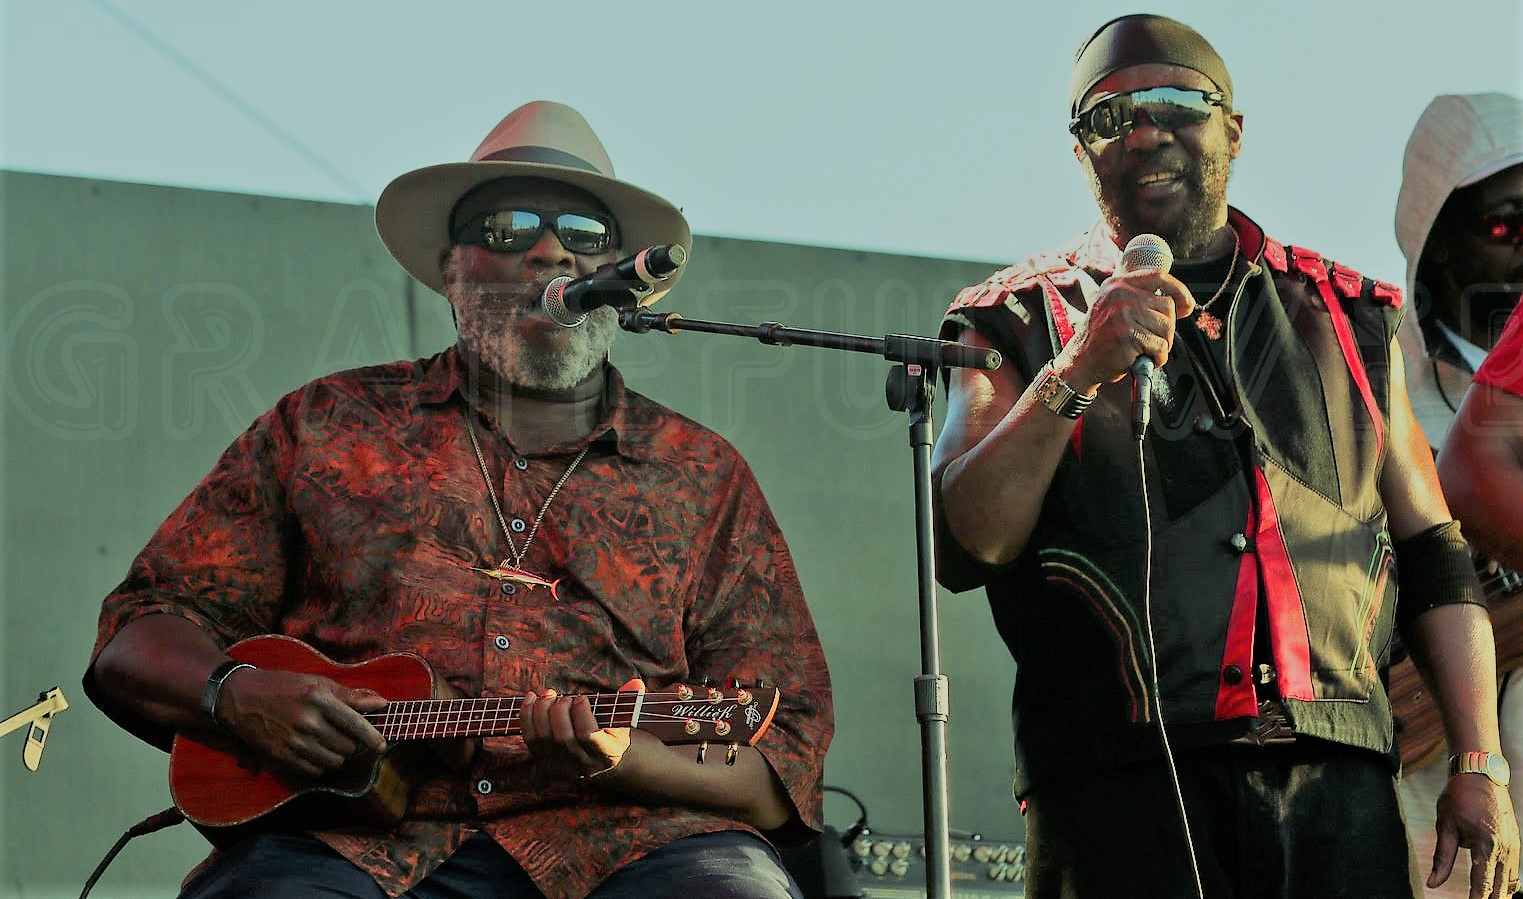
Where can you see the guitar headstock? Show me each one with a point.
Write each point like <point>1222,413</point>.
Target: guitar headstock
<point>682,714</point>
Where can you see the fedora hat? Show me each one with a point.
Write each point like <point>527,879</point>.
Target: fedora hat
<point>537,140</point>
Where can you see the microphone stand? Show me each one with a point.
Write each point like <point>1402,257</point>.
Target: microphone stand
<point>910,388</point>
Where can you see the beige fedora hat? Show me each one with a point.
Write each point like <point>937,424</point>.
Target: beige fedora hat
<point>537,140</point>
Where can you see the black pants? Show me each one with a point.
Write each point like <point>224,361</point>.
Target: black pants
<point>724,865</point>
<point>1311,820</point>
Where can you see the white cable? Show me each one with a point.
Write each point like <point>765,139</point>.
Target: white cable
<point>1147,621</point>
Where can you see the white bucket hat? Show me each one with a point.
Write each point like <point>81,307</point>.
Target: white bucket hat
<point>537,140</point>
<point>1458,140</point>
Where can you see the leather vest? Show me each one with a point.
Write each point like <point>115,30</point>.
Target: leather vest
<point>1264,509</point>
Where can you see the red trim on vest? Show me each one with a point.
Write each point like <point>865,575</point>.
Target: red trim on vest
<point>1238,700</point>
<point>1311,265</point>
<point>1287,617</point>
<point>1274,254</point>
<point>1389,294</point>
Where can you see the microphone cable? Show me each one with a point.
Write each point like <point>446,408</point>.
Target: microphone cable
<point>1147,621</point>
<point>157,821</point>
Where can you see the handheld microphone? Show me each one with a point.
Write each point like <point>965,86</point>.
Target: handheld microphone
<point>1144,253</point>
<point>618,284</point>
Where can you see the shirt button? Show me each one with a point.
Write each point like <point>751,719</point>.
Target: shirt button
<point>521,463</point>
<point>1239,542</point>
<point>1204,423</point>
<point>1232,674</point>
<point>500,642</point>
<point>517,525</point>
<point>509,589</point>
<point>483,786</point>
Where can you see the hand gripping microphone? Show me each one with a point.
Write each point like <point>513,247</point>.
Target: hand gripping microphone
<point>1144,253</point>
<point>622,283</point>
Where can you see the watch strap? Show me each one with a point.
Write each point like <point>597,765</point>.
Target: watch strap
<point>1492,765</point>
<point>212,692</point>
<point>1056,394</point>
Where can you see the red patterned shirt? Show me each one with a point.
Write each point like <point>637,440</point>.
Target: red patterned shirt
<point>1503,368</point>
<point>350,516</point>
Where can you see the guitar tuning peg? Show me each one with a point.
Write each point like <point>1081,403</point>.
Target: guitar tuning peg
<point>731,683</point>
<point>732,754</point>
<point>703,750</point>
<point>760,683</point>
<point>707,681</point>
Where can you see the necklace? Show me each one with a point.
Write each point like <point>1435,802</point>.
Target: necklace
<point>511,570</point>
<point>1209,324</point>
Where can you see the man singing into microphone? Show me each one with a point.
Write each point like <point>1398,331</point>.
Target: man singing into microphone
<point>1200,620</point>
<point>510,512</point>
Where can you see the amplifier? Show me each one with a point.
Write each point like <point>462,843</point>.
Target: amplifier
<point>893,867</point>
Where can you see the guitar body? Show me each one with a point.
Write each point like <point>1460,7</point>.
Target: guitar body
<point>219,785</point>
<point>225,791</point>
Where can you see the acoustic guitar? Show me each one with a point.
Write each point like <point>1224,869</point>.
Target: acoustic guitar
<point>224,790</point>
<point>1419,728</point>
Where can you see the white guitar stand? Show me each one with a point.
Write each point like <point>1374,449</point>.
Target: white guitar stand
<point>39,716</point>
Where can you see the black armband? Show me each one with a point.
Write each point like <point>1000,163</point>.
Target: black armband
<point>1434,568</point>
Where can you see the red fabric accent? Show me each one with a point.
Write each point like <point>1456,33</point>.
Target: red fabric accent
<point>1310,264</point>
<point>1060,320</point>
<point>1503,368</point>
<point>1349,283</point>
<point>1251,237</point>
<point>1274,254</point>
<point>983,295</point>
<point>1238,700</point>
<point>1287,617</point>
<point>1389,294</point>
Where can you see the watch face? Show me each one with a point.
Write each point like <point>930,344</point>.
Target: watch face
<point>1497,770</point>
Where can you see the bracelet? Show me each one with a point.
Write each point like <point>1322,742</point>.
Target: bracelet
<point>213,689</point>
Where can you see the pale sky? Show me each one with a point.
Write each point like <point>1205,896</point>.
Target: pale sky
<point>933,128</point>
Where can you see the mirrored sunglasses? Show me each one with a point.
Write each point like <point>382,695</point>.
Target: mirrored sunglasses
<point>516,230</point>
<point>1503,227</point>
<point>1169,108</point>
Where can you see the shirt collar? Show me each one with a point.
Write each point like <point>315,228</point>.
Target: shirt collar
<point>1472,355</point>
<point>629,422</point>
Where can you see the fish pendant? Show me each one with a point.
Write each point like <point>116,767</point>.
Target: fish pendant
<point>507,573</point>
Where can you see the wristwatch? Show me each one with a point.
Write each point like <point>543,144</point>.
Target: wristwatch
<point>1057,396</point>
<point>1490,764</point>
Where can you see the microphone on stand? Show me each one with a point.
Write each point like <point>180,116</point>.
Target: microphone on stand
<point>618,284</point>
<point>1144,253</point>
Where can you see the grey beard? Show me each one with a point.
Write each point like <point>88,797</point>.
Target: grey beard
<point>502,349</point>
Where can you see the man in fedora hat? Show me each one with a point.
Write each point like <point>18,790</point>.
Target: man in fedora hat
<point>509,511</point>
<point>1200,608</point>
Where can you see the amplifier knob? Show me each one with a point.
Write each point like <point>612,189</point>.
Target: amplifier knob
<point>901,849</point>
<point>899,867</point>
<point>982,854</point>
<point>880,848</point>
<point>879,867</point>
<point>861,847</point>
<point>961,851</point>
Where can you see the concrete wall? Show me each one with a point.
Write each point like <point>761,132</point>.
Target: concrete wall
<point>144,327</point>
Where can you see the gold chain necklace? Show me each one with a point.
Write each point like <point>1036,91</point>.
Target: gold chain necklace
<point>511,570</point>
<point>1209,324</point>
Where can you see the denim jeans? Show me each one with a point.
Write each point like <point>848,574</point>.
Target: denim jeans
<point>724,865</point>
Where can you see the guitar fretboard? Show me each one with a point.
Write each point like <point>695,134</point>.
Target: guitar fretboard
<point>426,719</point>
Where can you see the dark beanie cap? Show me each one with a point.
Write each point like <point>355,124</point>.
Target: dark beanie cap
<point>1139,39</point>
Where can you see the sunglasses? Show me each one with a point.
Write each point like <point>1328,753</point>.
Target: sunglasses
<point>1169,108</point>
<point>516,230</point>
<point>1503,227</point>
